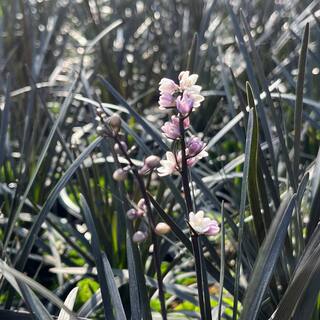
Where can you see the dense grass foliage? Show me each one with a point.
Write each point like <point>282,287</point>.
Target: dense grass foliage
<point>68,247</point>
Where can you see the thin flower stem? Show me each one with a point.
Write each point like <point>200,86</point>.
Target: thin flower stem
<point>206,293</point>
<point>129,225</point>
<point>202,281</point>
<point>222,267</point>
<point>197,259</point>
<point>156,249</point>
<point>184,169</point>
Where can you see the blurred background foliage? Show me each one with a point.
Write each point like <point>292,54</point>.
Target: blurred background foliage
<point>50,55</point>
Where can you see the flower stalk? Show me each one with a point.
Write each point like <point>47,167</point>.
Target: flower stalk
<point>110,127</point>
<point>184,169</point>
<point>186,96</point>
<point>152,225</point>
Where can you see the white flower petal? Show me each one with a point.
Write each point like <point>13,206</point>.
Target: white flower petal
<point>193,79</point>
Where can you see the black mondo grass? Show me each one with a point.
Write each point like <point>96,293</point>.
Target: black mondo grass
<point>159,160</point>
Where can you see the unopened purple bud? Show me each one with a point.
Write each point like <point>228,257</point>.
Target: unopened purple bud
<point>152,161</point>
<point>132,214</point>
<point>115,122</point>
<point>139,237</point>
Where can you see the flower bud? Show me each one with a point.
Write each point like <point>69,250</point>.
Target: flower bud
<point>115,123</point>
<point>119,175</point>
<point>152,161</point>
<point>162,228</point>
<point>142,204</point>
<point>100,130</point>
<point>117,148</point>
<point>139,237</point>
<point>132,214</point>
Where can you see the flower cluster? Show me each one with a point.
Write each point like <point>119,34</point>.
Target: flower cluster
<point>183,98</point>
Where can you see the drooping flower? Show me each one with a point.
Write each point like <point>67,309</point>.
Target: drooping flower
<point>171,128</point>
<point>168,166</point>
<point>195,95</point>
<point>193,160</point>
<point>202,224</point>
<point>194,146</point>
<point>195,151</point>
<point>185,103</point>
<point>167,86</point>
<point>166,100</point>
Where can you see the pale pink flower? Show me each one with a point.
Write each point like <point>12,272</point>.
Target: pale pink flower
<point>187,84</point>
<point>171,129</point>
<point>166,100</point>
<point>194,146</point>
<point>187,87</point>
<point>193,160</point>
<point>167,86</point>
<point>202,224</point>
<point>185,103</point>
<point>195,95</point>
<point>186,81</point>
<point>195,151</point>
<point>168,166</point>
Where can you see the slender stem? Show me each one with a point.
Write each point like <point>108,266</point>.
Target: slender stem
<point>197,259</point>
<point>206,293</point>
<point>202,281</point>
<point>222,268</point>
<point>151,221</point>
<point>184,169</point>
